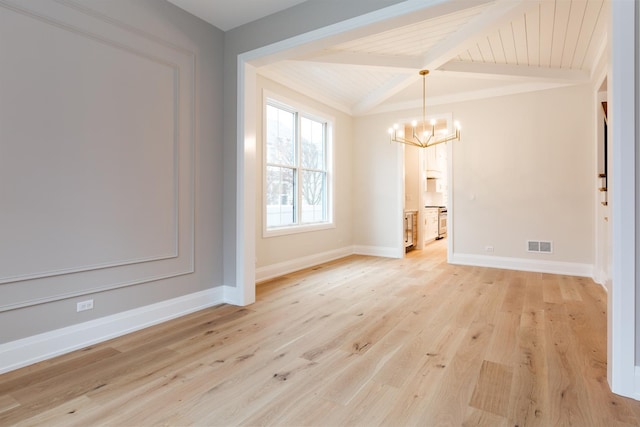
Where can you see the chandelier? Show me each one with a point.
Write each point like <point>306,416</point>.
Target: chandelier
<point>423,135</point>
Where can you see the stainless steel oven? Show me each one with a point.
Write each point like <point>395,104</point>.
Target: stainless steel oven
<point>442,222</point>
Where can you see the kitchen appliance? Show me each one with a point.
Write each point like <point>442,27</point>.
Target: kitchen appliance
<point>410,229</point>
<point>442,222</point>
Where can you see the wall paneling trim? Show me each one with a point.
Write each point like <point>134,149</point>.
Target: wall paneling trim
<point>96,154</point>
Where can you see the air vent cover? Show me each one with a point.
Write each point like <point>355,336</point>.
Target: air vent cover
<point>539,246</point>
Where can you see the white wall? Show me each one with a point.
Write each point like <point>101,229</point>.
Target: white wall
<point>111,126</point>
<point>285,249</point>
<point>413,187</point>
<point>523,170</point>
<point>377,179</point>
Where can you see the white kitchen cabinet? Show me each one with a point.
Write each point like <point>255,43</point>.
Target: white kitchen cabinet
<point>432,163</point>
<point>436,185</point>
<point>435,161</point>
<point>430,218</point>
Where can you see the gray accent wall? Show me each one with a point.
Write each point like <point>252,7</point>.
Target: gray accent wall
<point>111,173</point>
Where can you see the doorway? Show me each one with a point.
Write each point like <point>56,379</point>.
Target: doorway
<point>427,173</point>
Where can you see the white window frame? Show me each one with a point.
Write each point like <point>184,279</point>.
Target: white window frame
<point>310,113</point>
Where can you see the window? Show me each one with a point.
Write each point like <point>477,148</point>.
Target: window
<point>296,191</point>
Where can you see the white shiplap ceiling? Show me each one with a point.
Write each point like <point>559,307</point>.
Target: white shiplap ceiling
<point>475,49</point>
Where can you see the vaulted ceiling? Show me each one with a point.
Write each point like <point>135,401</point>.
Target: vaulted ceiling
<point>473,48</point>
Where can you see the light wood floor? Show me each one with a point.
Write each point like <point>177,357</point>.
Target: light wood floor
<point>360,341</point>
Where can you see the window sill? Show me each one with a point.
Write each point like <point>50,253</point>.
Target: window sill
<point>284,231</point>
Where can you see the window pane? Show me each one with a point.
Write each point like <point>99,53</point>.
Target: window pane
<point>281,136</point>
<point>312,139</point>
<point>280,199</point>
<point>314,198</point>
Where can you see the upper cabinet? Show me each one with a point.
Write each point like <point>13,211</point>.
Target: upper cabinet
<point>432,166</point>
<point>436,161</point>
<point>435,157</point>
<point>436,185</point>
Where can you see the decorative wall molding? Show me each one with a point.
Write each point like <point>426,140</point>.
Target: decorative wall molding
<point>175,69</point>
<point>26,351</point>
<point>282,268</point>
<point>522,264</point>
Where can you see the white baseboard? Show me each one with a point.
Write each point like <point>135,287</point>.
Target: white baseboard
<point>276,270</point>
<point>636,384</point>
<point>540,266</point>
<point>600,277</point>
<point>380,251</point>
<point>286,267</point>
<point>234,295</point>
<point>26,351</point>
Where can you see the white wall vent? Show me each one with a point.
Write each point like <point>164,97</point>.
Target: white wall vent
<point>539,246</point>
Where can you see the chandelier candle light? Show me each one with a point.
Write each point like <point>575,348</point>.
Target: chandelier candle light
<point>421,135</point>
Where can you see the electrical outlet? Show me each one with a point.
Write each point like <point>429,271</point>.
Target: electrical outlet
<point>84,305</point>
<point>488,249</point>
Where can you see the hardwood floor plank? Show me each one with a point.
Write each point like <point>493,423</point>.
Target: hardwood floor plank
<point>369,408</point>
<point>404,363</point>
<point>503,346</point>
<point>45,371</point>
<point>569,289</point>
<point>478,418</point>
<point>311,414</point>
<point>529,400</point>
<point>7,402</point>
<point>234,401</point>
<point>117,407</point>
<point>514,298</point>
<point>51,392</point>
<point>363,368</point>
<point>440,348</point>
<point>551,292</point>
<point>300,394</point>
<point>492,390</point>
<point>568,402</point>
<point>534,293</point>
<point>60,415</point>
<point>448,404</point>
<point>183,330</point>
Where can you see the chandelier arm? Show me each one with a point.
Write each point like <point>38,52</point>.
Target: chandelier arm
<point>447,138</point>
<point>407,142</point>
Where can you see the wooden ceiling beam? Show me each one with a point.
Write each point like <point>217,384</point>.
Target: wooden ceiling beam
<point>396,63</point>
<point>515,72</point>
